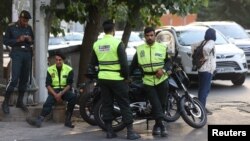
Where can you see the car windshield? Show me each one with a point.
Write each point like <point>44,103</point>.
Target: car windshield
<point>73,37</point>
<point>133,36</point>
<point>189,37</point>
<point>234,31</point>
<point>56,41</point>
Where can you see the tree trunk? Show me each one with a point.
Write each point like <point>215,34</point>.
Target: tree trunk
<point>126,33</point>
<point>90,36</point>
<point>131,22</point>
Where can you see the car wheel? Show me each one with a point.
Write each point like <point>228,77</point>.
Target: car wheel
<point>239,80</point>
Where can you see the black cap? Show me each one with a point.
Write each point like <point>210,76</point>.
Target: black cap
<point>60,54</point>
<point>25,14</point>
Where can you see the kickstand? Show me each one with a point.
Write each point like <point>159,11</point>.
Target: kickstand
<point>147,124</point>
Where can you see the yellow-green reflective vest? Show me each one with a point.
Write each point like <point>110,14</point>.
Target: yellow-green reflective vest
<point>63,78</point>
<point>151,58</point>
<point>106,52</point>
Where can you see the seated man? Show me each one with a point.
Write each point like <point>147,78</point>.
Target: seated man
<point>59,81</point>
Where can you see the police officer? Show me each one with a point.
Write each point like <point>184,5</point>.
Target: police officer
<point>109,55</point>
<point>59,82</point>
<point>19,36</point>
<point>152,59</point>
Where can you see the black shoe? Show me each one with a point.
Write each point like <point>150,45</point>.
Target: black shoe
<point>111,135</point>
<point>110,131</point>
<point>164,132</point>
<point>209,112</point>
<point>22,106</point>
<point>131,135</point>
<point>37,122</point>
<point>156,130</point>
<point>5,107</point>
<point>69,124</point>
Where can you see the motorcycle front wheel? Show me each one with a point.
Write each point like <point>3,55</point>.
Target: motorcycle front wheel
<point>193,114</point>
<point>117,123</point>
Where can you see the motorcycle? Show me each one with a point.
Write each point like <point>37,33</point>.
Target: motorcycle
<point>91,96</point>
<point>180,103</point>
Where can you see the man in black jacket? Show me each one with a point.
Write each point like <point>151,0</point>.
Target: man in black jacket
<point>110,57</point>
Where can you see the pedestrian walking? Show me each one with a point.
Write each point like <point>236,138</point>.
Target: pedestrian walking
<point>19,36</point>
<point>59,83</point>
<point>110,57</point>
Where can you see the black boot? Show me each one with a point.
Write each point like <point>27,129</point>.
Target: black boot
<point>37,122</point>
<point>131,134</point>
<point>110,131</point>
<point>20,103</point>
<point>68,122</point>
<point>164,132</point>
<point>5,104</point>
<point>156,130</point>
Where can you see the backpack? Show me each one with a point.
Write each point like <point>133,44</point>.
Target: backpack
<point>198,58</point>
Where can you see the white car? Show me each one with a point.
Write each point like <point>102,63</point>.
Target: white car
<point>233,31</point>
<point>57,43</point>
<point>248,32</point>
<point>134,41</point>
<point>230,60</point>
<point>73,38</point>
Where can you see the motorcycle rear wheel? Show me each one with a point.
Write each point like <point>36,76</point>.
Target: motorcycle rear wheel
<point>87,108</point>
<point>193,114</point>
<point>117,123</point>
<point>172,109</point>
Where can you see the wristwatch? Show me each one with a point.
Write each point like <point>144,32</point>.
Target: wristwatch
<point>164,70</point>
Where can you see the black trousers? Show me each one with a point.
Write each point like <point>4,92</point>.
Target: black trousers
<point>20,71</point>
<point>157,96</point>
<point>69,96</point>
<point>118,90</point>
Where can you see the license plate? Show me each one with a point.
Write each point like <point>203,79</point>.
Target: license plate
<point>221,70</point>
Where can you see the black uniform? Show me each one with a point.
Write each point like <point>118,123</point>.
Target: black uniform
<point>21,59</point>
<point>115,89</point>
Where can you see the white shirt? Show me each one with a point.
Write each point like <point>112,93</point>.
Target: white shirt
<point>210,64</point>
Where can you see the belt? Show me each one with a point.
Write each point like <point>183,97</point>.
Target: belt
<point>149,73</point>
<point>21,48</point>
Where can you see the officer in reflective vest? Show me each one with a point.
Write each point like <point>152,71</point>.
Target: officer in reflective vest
<point>110,57</point>
<point>59,81</point>
<point>152,59</point>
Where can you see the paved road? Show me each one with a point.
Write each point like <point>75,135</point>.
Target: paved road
<point>230,105</point>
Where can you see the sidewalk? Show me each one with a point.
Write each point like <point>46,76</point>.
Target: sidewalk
<point>237,113</point>
<point>178,131</point>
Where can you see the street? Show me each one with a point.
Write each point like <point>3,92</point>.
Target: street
<point>229,104</point>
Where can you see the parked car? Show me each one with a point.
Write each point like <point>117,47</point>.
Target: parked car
<point>73,38</point>
<point>230,60</point>
<point>134,41</point>
<point>233,31</point>
<point>248,32</point>
<point>57,43</point>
